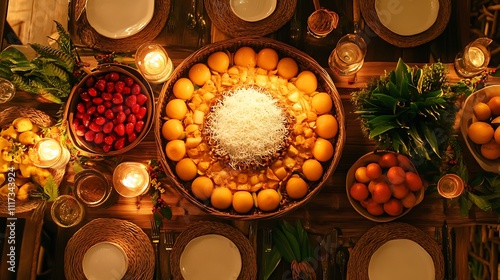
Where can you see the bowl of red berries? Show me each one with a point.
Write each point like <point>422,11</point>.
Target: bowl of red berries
<point>110,110</point>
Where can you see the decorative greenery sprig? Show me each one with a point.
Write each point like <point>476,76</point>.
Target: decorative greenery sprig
<point>161,210</point>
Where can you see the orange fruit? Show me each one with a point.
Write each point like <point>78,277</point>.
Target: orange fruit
<point>396,175</point>
<point>268,199</point>
<point>267,59</point>
<point>322,103</point>
<point>322,150</point>
<point>364,203</point>
<point>296,187</point>
<point>381,193</point>
<point>399,191</point>
<point>242,201</point>
<point>183,88</point>
<point>312,170</point>
<point>306,82</point>
<point>480,132</point>
<point>491,150</point>
<point>218,61</point>
<point>287,68</point>
<point>172,129</point>
<point>221,198</point>
<point>482,111</point>
<point>374,208</point>
<point>199,74</point>
<point>388,160</point>
<point>246,57</point>
<point>202,187</point>
<point>373,170</point>
<point>186,169</point>
<point>496,135</point>
<point>393,207</point>
<point>372,183</point>
<point>409,200</point>
<point>404,162</point>
<point>360,175</point>
<point>494,105</point>
<point>326,126</point>
<point>413,181</point>
<point>359,191</point>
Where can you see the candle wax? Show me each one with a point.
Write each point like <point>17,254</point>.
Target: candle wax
<point>49,150</point>
<point>155,62</point>
<point>476,56</point>
<point>133,180</point>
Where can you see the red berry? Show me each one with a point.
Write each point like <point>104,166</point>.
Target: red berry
<point>129,128</point>
<point>120,143</point>
<point>128,81</point>
<point>119,86</point>
<point>113,76</point>
<point>89,82</point>
<point>97,100</point>
<point>109,114</point>
<point>108,104</point>
<point>108,127</point>
<point>89,136</point>
<point>126,90</point>
<point>92,92</point>
<point>131,118</point>
<point>131,137</point>
<point>117,98</point>
<point>106,148</point>
<point>107,96</point>
<point>85,96</point>
<point>136,89</point>
<point>131,100</point>
<point>139,125</point>
<point>141,99</point>
<point>100,85</point>
<point>101,109</point>
<point>109,140</point>
<point>86,119</point>
<point>80,107</point>
<point>117,108</point>
<point>135,108</point>
<point>110,87</point>
<point>141,113</point>
<point>119,129</point>
<point>100,120</point>
<point>91,110</point>
<point>80,130</point>
<point>79,115</point>
<point>121,117</point>
<point>95,127</point>
<point>99,138</point>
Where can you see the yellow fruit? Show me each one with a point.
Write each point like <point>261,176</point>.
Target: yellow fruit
<point>287,68</point>
<point>242,201</point>
<point>322,103</point>
<point>326,126</point>
<point>186,169</point>
<point>267,59</point>
<point>482,111</point>
<point>496,135</point>
<point>218,61</point>
<point>175,149</point>
<point>306,81</point>
<point>176,109</point>
<point>202,187</point>
<point>480,132</point>
<point>312,169</point>
<point>360,175</point>
<point>296,187</point>
<point>183,88</point>
<point>409,200</point>
<point>491,150</point>
<point>172,129</point>
<point>268,199</point>
<point>494,105</point>
<point>199,74</point>
<point>221,198</point>
<point>322,150</point>
<point>246,57</point>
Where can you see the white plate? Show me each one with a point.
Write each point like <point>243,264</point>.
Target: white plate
<point>407,17</point>
<point>118,19</point>
<point>210,257</point>
<point>252,10</point>
<point>401,259</point>
<point>105,261</point>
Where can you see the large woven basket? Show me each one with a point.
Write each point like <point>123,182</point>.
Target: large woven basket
<point>43,120</point>
<point>305,62</point>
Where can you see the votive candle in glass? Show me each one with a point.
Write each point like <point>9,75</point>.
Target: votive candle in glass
<point>131,179</point>
<point>153,62</point>
<point>49,153</point>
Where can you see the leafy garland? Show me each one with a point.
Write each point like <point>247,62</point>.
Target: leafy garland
<point>160,209</point>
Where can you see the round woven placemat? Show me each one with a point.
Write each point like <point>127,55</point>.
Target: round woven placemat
<point>134,242</point>
<point>43,120</point>
<point>228,23</point>
<point>370,16</point>
<point>94,40</point>
<point>248,259</point>
<point>359,260</point>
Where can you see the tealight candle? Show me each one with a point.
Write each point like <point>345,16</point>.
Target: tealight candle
<point>49,153</point>
<point>154,63</point>
<point>130,179</point>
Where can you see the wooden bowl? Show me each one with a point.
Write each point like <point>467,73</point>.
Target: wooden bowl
<point>467,118</point>
<point>350,180</point>
<point>74,98</point>
<point>305,62</point>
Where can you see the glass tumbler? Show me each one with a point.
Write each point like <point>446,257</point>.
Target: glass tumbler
<point>348,56</point>
<point>67,211</point>
<point>7,90</point>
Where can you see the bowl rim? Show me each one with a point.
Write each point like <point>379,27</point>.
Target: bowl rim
<point>362,161</point>
<point>79,143</point>
<point>305,62</point>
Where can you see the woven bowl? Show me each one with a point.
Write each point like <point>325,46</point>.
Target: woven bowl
<point>305,62</point>
<point>350,180</point>
<point>482,95</point>
<point>74,98</point>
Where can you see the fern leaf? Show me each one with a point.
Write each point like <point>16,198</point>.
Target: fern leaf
<point>64,41</point>
<point>61,57</point>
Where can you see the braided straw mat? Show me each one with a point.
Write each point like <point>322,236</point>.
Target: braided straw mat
<point>228,23</point>
<point>94,40</point>
<point>359,260</point>
<point>248,258</point>
<point>134,242</point>
<point>43,120</point>
<point>370,16</point>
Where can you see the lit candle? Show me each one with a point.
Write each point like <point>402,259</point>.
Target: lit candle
<point>50,154</point>
<point>476,56</point>
<point>130,179</point>
<point>153,62</point>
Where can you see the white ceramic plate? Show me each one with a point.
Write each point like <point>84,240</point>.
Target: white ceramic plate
<point>210,257</point>
<point>105,261</point>
<point>252,10</point>
<point>407,17</point>
<point>119,19</point>
<point>401,259</point>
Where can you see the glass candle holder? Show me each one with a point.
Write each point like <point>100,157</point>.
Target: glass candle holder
<point>131,179</point>
<point>450,186</point>
<point>153,62</point>
<point>474,58</point>
<point>92,187</point>
<point>7,90</point>
<point>348,56</point>
<point>66,211</point>
<point>49,153</point>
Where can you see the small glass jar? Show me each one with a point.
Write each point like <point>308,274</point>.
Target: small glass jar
<point>153,62</point>
<point>67,211</point>
<point>92,188</point>
<point>450,186</point>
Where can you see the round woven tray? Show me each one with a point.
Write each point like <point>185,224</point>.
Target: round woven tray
<point>359,260</point>
<point>43,120</point>
<point>228,23</point>
<point>305,62</point>
<point>94,40</point>
<point>370,16</point>
<point>248,259</point>
<point>134,242</point>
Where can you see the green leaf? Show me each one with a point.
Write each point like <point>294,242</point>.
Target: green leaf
<point>51,189</point>
<point>166,212</point>
<point>283,245</point>
<point>271,261</point>
<point>480,202</point>
<point>381,128</point>
<point>158,218</point>
<point>464,204</point>
<point>431,138</point>
<point>387,101</point>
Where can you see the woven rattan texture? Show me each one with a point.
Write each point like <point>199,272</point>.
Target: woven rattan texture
<point>305,62</point>
<point>94,40</point>
<point>248,259</point>
<point>371,18</point>
<point>228,23</point>
<point>135,243</point>
<point>43,120</point>
<point>359,260</point>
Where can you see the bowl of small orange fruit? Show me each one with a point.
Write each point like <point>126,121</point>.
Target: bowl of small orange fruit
<point>479,124</point>
<point>383,186</point>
